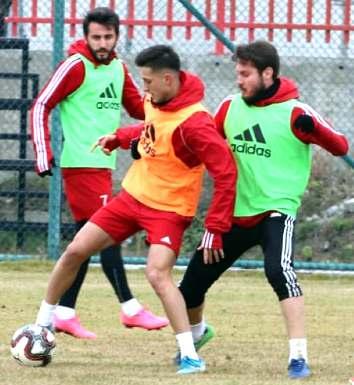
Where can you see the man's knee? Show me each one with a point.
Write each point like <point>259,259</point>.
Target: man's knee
<point>159,279</point>
<point>73,256</point>
<point>197,280</point>
<point>192,295</point>
<point>284,283</point>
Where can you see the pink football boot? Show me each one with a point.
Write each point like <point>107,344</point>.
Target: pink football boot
<point>145,320</point>
<point>73,327</point>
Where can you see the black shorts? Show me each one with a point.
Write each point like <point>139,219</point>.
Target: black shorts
<point>274,234</point>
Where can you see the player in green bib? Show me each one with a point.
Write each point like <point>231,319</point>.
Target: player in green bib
<point>91,86</point>
<point>269,132</point>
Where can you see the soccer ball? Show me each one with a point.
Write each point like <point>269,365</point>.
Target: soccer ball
<point>33,345</point>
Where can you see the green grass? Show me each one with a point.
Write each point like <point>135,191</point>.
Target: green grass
<point>250,347</point>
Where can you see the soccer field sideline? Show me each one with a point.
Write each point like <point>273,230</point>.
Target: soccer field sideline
<point>129,266</point>
<point>241,264</point>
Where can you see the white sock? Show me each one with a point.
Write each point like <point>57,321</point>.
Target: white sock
<point>198,330</point>
<point>45,314</point>
<point>131,307</point>
<point>186,345</point>
<point>64,312</point>
<point>298,348</point>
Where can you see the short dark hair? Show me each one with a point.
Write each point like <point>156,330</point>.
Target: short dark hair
<point>260,53</point>
<point>101,15</point>
<point>158,57</point>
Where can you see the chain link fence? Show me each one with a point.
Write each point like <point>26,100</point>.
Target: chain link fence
<point>315,41</point>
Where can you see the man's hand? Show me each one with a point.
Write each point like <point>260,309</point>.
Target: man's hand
<point>107,143</point>
<point>134,149</point>
<point>49,171</point>
<point>212,247</point>
<point>304,123</point>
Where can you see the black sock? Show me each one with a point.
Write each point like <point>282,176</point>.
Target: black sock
<point>113,267</point>
<point>70,296</point>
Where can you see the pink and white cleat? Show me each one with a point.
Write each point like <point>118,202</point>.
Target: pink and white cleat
<point>145,320</point>
<point>73,327</point>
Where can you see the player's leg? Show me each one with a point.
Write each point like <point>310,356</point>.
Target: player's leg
<point>70,296</point>
<point>133,314</point>
<point>161,260</point>
<point>277,244</point>
<point>95,186</point>
<point>81,186</point>
<point>65,318</point>
<point>199,277</point>
<point>113,267</point>
<point>88,241</point>
<point>164,233</point>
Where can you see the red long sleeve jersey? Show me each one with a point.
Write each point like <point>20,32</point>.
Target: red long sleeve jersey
<point>65,80</point>
<point>323,134</point>
<point>196,141</point>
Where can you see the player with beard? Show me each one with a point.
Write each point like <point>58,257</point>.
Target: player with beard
<point>90,86</point>
<point>269,132</point>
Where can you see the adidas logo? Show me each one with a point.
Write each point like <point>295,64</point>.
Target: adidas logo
<point>247,136</point>
<point>250,149</point>
<point>108,93</point>
<point>166,239</point>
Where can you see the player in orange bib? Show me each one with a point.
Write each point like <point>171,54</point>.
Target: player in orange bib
<point>160,191</point>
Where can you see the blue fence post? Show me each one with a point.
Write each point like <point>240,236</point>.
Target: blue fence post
<point>54,221</point>
<point>208,24</point>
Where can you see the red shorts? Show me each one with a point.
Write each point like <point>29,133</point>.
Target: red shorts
<point>123,216</point>
<point>86,190</point>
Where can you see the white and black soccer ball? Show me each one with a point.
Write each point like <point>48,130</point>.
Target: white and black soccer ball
<point>33,345</point>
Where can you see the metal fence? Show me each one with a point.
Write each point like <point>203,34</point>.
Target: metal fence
<point>314,38</point>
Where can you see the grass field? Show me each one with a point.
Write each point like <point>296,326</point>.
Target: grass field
<point>250,347</point>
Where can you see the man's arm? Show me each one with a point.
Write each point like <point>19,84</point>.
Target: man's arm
<point>122,137</point>
<point>220,115</point>
<point>309,127</point>
<point>65,80</point>
<point>207,145</point>
<point>132,100</point>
